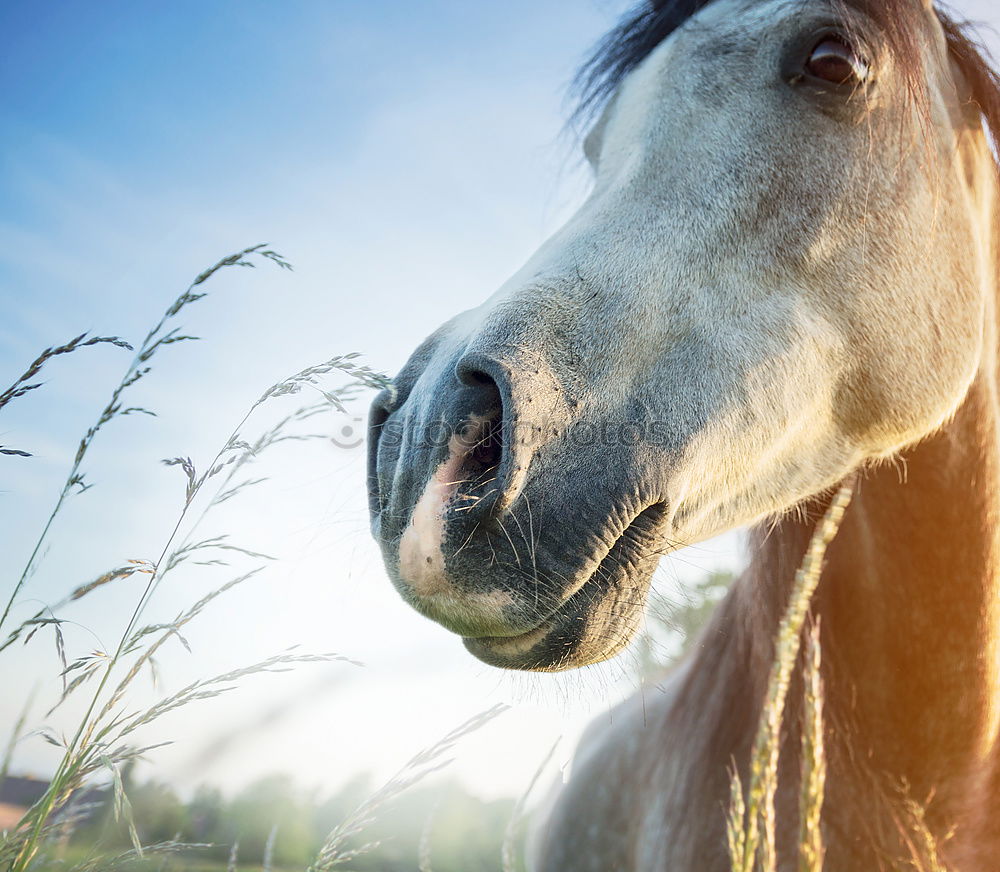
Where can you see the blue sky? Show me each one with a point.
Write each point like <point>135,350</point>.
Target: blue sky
<point>406,158</point>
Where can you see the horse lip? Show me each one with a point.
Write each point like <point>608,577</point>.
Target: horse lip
<point>522,643</point>
<point>510,651</point>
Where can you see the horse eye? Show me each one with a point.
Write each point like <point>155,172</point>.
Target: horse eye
<point>834,61</point>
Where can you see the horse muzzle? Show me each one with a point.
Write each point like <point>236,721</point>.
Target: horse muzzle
<point>503,514</point>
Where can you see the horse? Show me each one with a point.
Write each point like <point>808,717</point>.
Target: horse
<point>783,278</point>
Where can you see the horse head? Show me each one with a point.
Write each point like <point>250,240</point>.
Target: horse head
<point>777,278</point>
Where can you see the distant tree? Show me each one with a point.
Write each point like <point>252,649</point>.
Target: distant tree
<point>206,814</point>
<point>467,833</point>
<point>441,821</point>
<point>331,812</point>
<point>159,814</point>
<point>269,803</point>
<point>456,830</point>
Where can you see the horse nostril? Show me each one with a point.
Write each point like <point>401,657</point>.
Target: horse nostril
<point>483,428</point>
<point>485,436</point>
<point>468,374</point>
<point>481,435</point>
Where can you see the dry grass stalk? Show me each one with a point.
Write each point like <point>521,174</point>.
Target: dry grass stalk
<point>813,761</point>
<point>268,861</point>
<point>927,847</point>
<point>234,854</point>
<point>101,739</point>
<point>425,847</point>
<point>23,385</point>
<point>335,851</point>
<point>157,338</point>
<point>126,859</point>
<point>508,851</point>
<point>751,819</point>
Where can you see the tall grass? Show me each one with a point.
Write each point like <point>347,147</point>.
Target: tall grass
<point>108,735</point>
<point>752,823</point>
<point>751,819</point>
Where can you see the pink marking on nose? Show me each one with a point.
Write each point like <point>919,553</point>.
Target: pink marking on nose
<point>421,558</point>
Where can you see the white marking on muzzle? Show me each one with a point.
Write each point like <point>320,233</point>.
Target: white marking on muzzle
<point>421,558</point>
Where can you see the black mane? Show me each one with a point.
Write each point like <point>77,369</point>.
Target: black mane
<point>628,45</point>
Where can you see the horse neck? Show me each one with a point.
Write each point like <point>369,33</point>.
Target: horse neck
<point>910,608</point>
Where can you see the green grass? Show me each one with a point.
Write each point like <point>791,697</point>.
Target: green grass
<point>74,855</point>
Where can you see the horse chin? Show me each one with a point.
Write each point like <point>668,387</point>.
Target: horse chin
<point>595,622</point>
<point>577,635</point>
